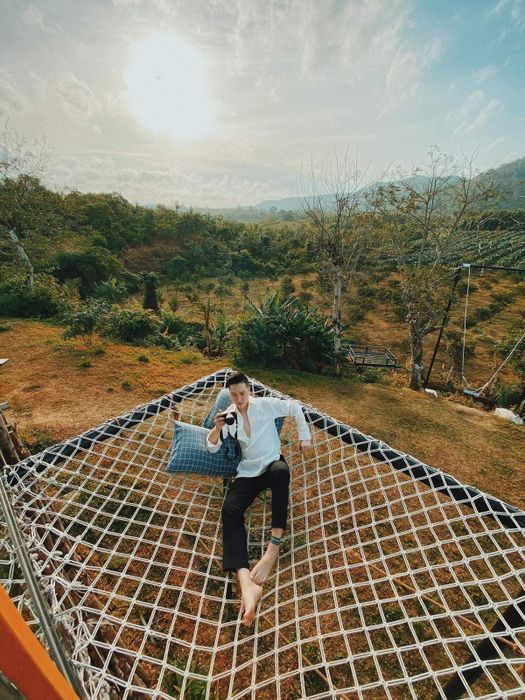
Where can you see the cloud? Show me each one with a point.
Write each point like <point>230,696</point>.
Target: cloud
<point>12,101</point>
<point>33,17</point>
<point>515,10</point>
<point>149,185</point>
<point>495,143</point>
<point>73,95</point>
<point>475,111</point>
<point>483,74</point>
<point>484,115</point>
<point>406,71</point>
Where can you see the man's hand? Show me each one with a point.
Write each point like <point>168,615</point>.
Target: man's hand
<point>214,434</point>
<point>305,446</point>
<point>219,420</point>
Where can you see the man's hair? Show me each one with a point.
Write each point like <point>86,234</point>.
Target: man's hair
<point>237,378</point>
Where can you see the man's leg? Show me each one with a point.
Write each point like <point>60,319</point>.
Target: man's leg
<point>278,477</point>
<point>240,496</point>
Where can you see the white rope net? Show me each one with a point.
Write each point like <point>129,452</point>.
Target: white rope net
<point>385,587</point>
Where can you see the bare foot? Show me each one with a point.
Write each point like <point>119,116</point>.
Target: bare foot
<point>251,595</point>
<point>262,569</point>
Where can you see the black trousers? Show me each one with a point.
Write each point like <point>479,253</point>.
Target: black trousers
<point>241,494</point>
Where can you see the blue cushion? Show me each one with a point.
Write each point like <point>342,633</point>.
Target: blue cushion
<point>222,402</point>
<point>189,453</point>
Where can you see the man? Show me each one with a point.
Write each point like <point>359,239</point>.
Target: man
<point>262,466</point>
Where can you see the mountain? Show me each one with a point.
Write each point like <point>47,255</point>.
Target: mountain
<point>509,178</point>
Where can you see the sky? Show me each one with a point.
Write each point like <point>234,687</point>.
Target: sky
<point>223,103</point>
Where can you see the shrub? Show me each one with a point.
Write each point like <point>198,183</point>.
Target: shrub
<point>110,290</point>
<point>305,298</point>
<point>189,356</point>
<point>130,325</point>
<point>186,331</point>
<point>287,287</point>
<point>143,358</point>
<point>507,395</point>
<point>17,300</point>
<point>94,265</point>
<point>84,319</point>
<point>284,334</point>
<point>369,375</point>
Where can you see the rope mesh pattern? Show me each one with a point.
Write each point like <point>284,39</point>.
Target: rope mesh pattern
<point>384,587</point>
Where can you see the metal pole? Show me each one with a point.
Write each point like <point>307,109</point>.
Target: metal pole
<point>41,606</point>
<point>497,267</point>
<point>513,617</point>
<point>457,275</point>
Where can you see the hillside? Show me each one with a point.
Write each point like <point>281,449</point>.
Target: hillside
<point>44,392</point>
<point>509,178</point>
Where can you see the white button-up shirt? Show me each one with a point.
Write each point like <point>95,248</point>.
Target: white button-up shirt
<point>263,446</point>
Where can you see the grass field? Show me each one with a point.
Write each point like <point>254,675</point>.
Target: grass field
<point>57,388</point>
<point>381,327</point>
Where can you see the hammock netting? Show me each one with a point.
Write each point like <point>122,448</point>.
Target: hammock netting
<point>391,574</point>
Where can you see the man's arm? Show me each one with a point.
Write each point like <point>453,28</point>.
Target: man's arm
<point>279,408</point>
<point>213,443</point>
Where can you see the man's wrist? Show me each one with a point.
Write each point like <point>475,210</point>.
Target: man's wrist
<point>213,435</point>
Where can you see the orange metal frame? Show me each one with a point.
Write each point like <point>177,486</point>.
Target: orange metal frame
<point>25,661</point>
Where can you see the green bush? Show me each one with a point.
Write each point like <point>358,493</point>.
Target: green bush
<point>85,319</point>
<point>507,395</point>
<point>287,287</point>
<point>285,334</point>
<point>369,375</point>
<point>90,267</point>
<point>17,300</point>
<point>187,332</point>
<point>110,290</point>
<point>130,325</point>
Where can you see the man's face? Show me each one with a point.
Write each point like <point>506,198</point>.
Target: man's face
<point>239,394</point>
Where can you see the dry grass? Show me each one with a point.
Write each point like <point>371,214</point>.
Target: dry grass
<point>48,391</point>
<point>381,327</point>
<point>362,540</point>
<point>361,534</point>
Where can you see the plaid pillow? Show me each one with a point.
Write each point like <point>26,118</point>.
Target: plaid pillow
<point>189,453</point>
<point>222,402</point>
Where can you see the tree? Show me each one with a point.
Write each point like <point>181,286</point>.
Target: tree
<point>339,231</point>
<point>420,216</point>
<point>90,267</point>
<point>26,206</point>
<point>151,295</point>
<point>287,287</point>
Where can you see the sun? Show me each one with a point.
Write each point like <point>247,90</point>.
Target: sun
<point>167,87</point>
